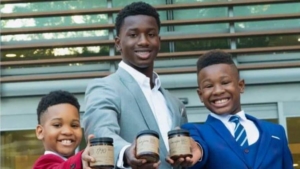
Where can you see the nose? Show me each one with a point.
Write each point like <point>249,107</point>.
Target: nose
<point>218,90</point>
<point>143,40</point>
<point>67,130</point>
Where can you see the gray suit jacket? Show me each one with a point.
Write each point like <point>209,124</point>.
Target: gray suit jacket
<point>116,107</point>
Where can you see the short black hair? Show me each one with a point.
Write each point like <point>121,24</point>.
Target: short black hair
<point>136,8</point>
<point>214,57</point>
<point>54,98</point>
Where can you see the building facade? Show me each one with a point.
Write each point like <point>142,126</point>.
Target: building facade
<point>50,45</point>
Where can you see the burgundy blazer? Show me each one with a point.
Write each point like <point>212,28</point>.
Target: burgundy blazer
<point>51,161</point>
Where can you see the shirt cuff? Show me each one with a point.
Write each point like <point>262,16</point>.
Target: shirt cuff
<point>120,162</point>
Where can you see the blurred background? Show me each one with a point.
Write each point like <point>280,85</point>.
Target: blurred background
<point>49,45</point>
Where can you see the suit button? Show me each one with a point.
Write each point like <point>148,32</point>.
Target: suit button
<point>246,150</point>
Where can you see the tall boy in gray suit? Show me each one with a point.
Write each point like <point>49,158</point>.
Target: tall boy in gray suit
<point>132,99</point>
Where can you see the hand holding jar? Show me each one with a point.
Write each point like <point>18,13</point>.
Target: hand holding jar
<point>144,152</point>
<point>184,151</point>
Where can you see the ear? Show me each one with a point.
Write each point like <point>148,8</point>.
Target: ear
<point>242,85</point>
<point>117,44</point>
<point>39,132</point>
<point>200,94</point>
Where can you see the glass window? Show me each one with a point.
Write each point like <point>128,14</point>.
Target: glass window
<point>19,149</point>
<point>183,14</point>
<point>164,47</point>
<point>66,68</point>
<point>54,21</point>
<point>267,25</point>
<point>268,57</point>
<point>121,3</point>
<point>204,29</point>
<point>194,1</point>
<point>293,126</point>
<point>49,53</point>
<point>22,39</point>
<point>198,14</point>
<point>51,6</point>
<point>173,30</point>
<point>267,9</point>
<point>268,41</point>
<point>181,46</point>
<point>174,63</point>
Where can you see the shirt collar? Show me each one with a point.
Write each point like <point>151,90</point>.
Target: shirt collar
<point>51,152</point>
<point>226,117</point>
<point>140,78</point>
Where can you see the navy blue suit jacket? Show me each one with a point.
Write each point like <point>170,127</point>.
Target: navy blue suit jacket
<point>222,152</point>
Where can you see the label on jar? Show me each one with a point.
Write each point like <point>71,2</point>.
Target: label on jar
<point>180,145</point>
<point>103,154</point>
<point>147,144</point>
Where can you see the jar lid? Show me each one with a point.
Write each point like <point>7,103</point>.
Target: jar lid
<point>179,131</point>
<point>102,139</point>
<point>151,132</point>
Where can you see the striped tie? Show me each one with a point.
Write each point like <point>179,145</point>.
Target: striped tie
<point>239,132</point>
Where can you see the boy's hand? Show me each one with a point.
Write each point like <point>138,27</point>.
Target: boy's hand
<point>188,161</point>
<point>85,157</point>
<point>131,160</point>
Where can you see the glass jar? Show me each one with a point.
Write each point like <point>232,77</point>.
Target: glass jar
<point>147,146</point>
<point>102,150</point>
<point>179,144</point>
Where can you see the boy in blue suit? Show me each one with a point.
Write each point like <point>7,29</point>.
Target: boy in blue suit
<point>231,139</point>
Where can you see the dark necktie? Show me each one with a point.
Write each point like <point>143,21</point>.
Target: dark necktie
<point>240,134</point>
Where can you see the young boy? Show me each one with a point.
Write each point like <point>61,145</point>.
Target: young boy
<point>59,129</point>
<point>231,139</point>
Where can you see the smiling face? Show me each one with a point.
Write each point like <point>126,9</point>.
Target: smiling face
<point>220,88</point>
<point>139,41</point>
<point>60,129</point>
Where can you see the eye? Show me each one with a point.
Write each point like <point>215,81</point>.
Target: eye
<point>225,82</point>
<point>151,34</point>
<point>57,125</point>
<point>75,125</point>
<point>208,86</point>
<point>132,35</point>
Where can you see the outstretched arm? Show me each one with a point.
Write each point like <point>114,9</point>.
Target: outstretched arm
<point>102,104</point>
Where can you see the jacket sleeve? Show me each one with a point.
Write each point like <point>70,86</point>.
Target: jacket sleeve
<point>51,161</point>
<point>102,112</point>
<point>194,133</point>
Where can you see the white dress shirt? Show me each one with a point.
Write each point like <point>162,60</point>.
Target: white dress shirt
<point>250,128</point>
<point>51,152</point>
<point>156,102</point>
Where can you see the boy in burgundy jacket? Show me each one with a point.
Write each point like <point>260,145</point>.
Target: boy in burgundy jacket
<point>60,131</point>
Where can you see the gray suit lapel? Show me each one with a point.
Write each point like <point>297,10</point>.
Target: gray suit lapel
<point>132,86</point>
<point>130,83</point>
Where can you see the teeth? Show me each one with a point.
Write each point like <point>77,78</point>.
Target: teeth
<point>221,101</point>
<point>66,142</point>
<point>142,52</point>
